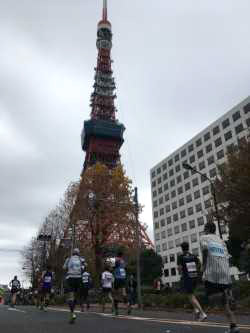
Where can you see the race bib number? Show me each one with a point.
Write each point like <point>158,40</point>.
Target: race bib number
<point>122,273</point>
<point>47,279</point>
<point>85,279</point>
<point>216,249</point>
<point>191,267</point>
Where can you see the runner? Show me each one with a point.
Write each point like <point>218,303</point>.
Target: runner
<point>46,285</point>
<point>131,288</point>
<point>15,286</point>
<point>84,290</point>
<point>216,271</point>
<point>188,266</point>
<point>74,267</point>
<point>107,284</point>
<point>120,294</point>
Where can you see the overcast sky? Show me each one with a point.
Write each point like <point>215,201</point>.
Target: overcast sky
<point>178,66</point>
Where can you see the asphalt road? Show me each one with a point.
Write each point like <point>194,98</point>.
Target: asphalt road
<point>27,319</point>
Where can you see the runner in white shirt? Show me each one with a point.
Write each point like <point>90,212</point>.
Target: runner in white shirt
<point>107,285</point>
<point>216,271</point>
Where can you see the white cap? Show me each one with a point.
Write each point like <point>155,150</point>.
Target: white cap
<point>76,251</point>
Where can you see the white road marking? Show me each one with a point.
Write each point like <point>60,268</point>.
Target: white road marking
<point>17,310</point>
<point>160,320</point>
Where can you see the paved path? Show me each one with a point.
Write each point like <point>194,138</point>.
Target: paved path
<point>26,319</point>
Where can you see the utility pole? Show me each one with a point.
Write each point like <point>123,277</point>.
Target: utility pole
<point>138,249</point>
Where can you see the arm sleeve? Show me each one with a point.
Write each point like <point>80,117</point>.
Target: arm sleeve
<point>204,243</point>
<point>65,266</point>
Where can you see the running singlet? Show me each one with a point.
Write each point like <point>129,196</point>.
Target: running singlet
<point>217,267</point>
<point>107,279</point>
<point>189,264</point>
<point>74,266</point>
<point>15,284</point>
<point>120,272</point>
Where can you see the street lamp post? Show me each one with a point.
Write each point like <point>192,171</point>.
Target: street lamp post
<point>138,246</point>
<point>189,167</point>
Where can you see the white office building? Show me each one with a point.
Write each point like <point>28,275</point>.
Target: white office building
<point>181,199</point>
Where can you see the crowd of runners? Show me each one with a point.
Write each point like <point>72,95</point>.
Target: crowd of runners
<point>117,287</point>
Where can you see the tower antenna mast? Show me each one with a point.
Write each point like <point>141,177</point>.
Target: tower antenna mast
<point>105,10</point>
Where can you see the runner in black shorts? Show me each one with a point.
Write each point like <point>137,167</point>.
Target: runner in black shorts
<point>188,266</point>
<point>107,285</point>
<point>15,286</point>
<point>84,290</point>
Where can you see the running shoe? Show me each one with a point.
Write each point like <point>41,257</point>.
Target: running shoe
<point>196,315</point>
<point>233,330</point>
<point>72,318</point>
<point>129,311</point>
<point>202,316</point>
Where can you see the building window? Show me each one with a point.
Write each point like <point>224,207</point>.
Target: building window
<point>153,174</point>
<point>179,179</point>
<point>205,190</point>
<point>190,148</point>
<point>158,248</point>
<point>180,190</point>
<point>173,271</point>
<point>207,136</point>
<point>190,211</point>
<point>236,116</point>
<point>154,194</point>
<point>154,183</point>
<point>177,158</point>
<point>212,172</point>
<point>239,128</point>
<point>185,239</point>
<point>195,251</point>
<point>186,174</point>
<point>167,208</point>
<point>216,130</point>
<point>165,259</point>
<point>170,232</point>
<point>177,168</point>
<point>203,178</point>
<point>191,224</point>
<point>225,123</point>
<point>193,238</point>
<point>164,167</point>
<point>184,227</point>
<point>210,160</point>
<point>198,142</point>
<point>157,225</point>
<point>165,176</point>
<point>171,244</point>
<point>170,162</point>
<point>197,194</point>
<point>155,214</point>
<point>200,153</point>
<point>172,183</point>
<point>209,148</point>
<point>161,201</point>
<point>163,223</point>
<point>160,190</point>
<point>157,236</point>
<point>181,202</point>
<point>202,165</point>
<point>207,203</point>
<point>178,242</point>
<point>155,204</point>
<point>246,108</point>
<point>171,172</point>
<point>163,234</point>
<point>174,205</point>
<point>195,182</point>
<point>182,214</point>
<point>183,153</point>
<point>166,272</point>
<point>176,229</point>
<point>200,220</point>
<point>169,220</point>
<point>158,171</point>
<point>173,194</point>
<point>198,207</point>
<point>164,246</point>
<point>166,197</point>
<point>228,135</point>
<point>192,159</point>
<point>248,122</point>
<point>189,198</point>
<point>218,142</point>
<point>187,186</point>
<point>220,154</point>
<point>161,211</point>
<point>175,217</point>
<point>165,186</point>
